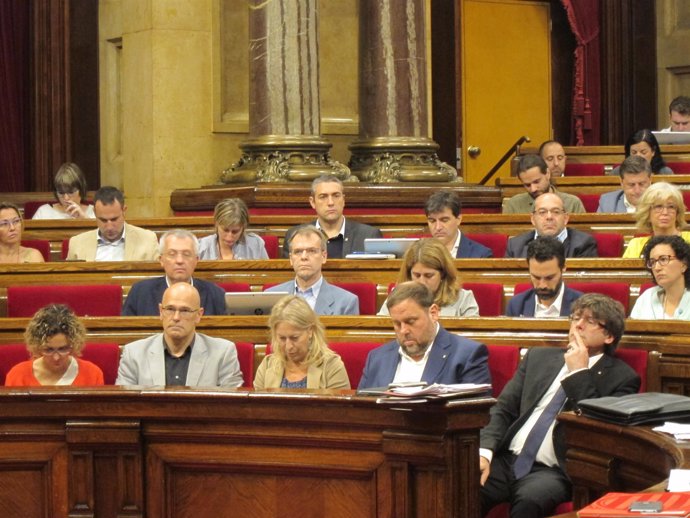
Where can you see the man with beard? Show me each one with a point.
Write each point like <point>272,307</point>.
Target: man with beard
<point>549,297</point>
<point>423,351</point>
<point>536,179</point>
<point>550,218</point>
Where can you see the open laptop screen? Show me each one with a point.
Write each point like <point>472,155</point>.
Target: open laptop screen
<point>252,302</point>
<point>394,245</point>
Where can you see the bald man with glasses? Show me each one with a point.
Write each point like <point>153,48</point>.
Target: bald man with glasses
<point>179,355</point>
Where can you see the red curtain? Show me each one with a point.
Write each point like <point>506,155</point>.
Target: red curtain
<point>583,16</point>
<point>14,94</point>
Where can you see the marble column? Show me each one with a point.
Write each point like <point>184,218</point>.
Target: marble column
<point>393,143</point>
<point>284,142</point>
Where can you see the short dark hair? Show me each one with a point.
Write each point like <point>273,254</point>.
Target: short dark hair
<point>545,248</point>
<point>680,104</point>
<point>645,135</point>
<point>108,195</point>
<point>442,199</point>
<point>410,290</point>
<point>529,161</point>
<point>680,247</point>
<point>634,165</point>
<point>610,313</point>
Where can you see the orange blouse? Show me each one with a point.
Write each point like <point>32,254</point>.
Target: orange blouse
<point>22,375</point>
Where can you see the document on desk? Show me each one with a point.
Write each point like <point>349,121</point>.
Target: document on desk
<point>680,431</point>
<point>430,392</point>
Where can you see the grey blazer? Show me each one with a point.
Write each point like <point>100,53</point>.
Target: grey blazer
<point>213,363</point>
<point>612,202</point>
<point>331,300</point>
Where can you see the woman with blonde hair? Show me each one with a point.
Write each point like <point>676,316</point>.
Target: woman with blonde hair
<point>428,262</point>
<point>301,357</point>
<point>69,188</point>
<point>230,239</point>
<point>55,338</point>
<point>11,249</point>
<point>661,212</point>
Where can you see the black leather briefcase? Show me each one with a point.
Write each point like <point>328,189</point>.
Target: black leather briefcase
<point>648,407</point>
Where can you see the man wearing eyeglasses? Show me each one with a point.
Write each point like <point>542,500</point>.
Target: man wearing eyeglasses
<point>522,449</point>
<point>308,254</point>
<point>550,219</point>
<point>114,239</point>
<point>178,257</point>
<point>179,355</point>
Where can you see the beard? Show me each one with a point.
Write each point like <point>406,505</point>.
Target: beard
<point>547,294</point>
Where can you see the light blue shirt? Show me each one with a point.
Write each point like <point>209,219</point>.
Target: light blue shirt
<point>311,293</point>
<point>110,250</point>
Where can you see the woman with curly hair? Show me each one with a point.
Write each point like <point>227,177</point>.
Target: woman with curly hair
<point>55,339</point>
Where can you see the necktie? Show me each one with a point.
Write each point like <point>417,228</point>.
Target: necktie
<point>523,462</point>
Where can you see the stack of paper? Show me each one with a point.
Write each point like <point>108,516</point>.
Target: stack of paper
<point>680,431</point>
<point>438,390</point>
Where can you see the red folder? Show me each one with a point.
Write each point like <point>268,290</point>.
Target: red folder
<point>617,505</point>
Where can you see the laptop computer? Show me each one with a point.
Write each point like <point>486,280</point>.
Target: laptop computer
<point>672,137</point>
<point>394,245</point>
<point>252,302</point>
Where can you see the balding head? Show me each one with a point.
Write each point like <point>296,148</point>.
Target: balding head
<point>180,313</point>
<point>549,217</point>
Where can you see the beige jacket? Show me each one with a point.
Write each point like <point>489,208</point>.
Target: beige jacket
<point>330,374</point>
<point>140,245</point>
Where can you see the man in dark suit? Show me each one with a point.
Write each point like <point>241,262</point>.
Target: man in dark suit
<point>549,297</point>
<point>423,350</point>
<point>522,455</point>
<point>344,235</point>
<point>550,219</point>
<point>443,212</point>
<point>178,257</point>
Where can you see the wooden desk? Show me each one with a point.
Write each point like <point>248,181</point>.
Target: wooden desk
<point>183,452</point>
<point>603,457</point>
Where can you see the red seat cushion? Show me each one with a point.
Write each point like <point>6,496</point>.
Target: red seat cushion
<point>489,297</point>
<point>235,287</point>
<point>354,356</point>
<point>497,242</point>
<point>366,293</point>
<point>271,244</point>
<point>503,362</point>
<point>619,291</point>
<point>106,356</point>
<point>42,245</point>
<point>584,169</point>
<point>609,244</point>
<point>245,355</point>
<point>96,300</point>
<point>679,167</point>
<point>637,359</point>
<point>590,201</point>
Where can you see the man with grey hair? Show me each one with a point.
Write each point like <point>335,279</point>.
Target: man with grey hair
<point>307,247</point>
<point>344,236</point>
<point>636,177</point>
<point>178,256</point>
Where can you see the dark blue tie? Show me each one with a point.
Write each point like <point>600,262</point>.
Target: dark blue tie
<point>523,462</point>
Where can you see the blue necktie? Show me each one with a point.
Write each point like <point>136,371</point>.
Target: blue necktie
<point>525,460</point>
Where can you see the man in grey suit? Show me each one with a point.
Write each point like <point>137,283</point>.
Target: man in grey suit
<point>550,219</point>
<point>636,177</point>
<point>344,235</point>
<point>179,355</point>
<point>114,239</point>
<point>308,254</point>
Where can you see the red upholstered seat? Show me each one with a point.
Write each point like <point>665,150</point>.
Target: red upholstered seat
<point>106,356</point>
<point>679,167</point>
<point>497,242</point>
<point>590,201</point>
<point>96,300</point>
<point>686,198</point>
<point>366,293</point>
<point>235,286</point>
<point>619,291</point>
<point>503,362</point>
<point>609,244</point>
<point>354,356</point>
<point>271,243</point>
<point>489,297</point>
<point>584,169</point>
<point>64,249</point>
<point>42,245</point>
<point>245,355</point>
<point>637,359</point>
<point>645,286</point>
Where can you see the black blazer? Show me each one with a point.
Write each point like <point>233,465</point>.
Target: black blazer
<point>577,244</point>
<point>524,305</point>
<point>355,234</point>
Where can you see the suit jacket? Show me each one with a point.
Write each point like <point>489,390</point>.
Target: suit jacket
<point>140,245</point>
<point>452,359</point>
<point>355,234</point>
<point>331,300</point>
<point>523,203</point>
<point>330,374</point>
<point>524,305</point>
<point>144,297</point>
<point>608,377</point>
<point>469,248</point>
<point>612,202</point>
<point>213,363</point>
<point>577,244</point>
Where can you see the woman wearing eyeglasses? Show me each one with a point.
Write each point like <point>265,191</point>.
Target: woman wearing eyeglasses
<point>661,212</point>
<point>667,259</point>
<point>54,338</point>
<point>301,357</point>
<point>70,189</point>
<point>11,249</point>
<point>428,262</point>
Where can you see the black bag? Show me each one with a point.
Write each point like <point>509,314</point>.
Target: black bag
<point>648,407</point>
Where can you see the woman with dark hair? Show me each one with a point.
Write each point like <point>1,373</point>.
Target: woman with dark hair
<point>643,143</point>
<point>55,339</point>
<point>69,188</point>
<point>667,259</point>
<point>11,249</point>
